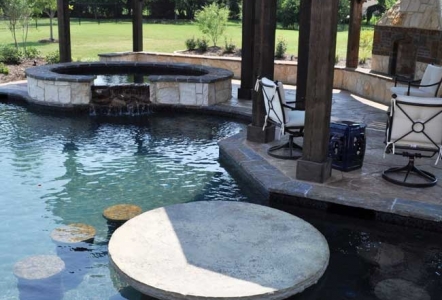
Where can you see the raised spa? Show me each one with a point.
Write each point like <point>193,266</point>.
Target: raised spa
<point>71,85</point>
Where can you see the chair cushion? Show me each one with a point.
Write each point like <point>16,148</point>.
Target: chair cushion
<point>433,74</point>
<point>401,131</point>
<point>401,90</point>
<point>295,118</point>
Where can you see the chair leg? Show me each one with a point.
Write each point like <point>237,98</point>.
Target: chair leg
<point>289,146</point>
<point>410,168</point>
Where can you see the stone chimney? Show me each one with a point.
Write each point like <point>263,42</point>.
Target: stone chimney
<point>408,37</point>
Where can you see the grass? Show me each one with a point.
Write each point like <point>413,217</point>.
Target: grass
<point>89,38</point>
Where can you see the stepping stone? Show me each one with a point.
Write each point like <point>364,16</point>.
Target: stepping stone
<point>383,255</point>
<point>218,250</point>
<point>399,289</point>
<point>39,277</point>
<point>120,213</point>
<point>38,267</point>
<point>73,233</point>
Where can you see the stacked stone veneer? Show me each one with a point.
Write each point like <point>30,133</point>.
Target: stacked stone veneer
<point>57,92</point>
<point>183,84</point>
<point>417,24</point>
<point>360,81</point>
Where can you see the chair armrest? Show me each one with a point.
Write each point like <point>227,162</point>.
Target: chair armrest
<point>289,106</point>
<point>424,85</point>
<point>403,80</point>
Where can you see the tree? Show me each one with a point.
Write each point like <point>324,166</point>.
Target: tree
<point>17,12</point>
<point>288,12</point>
<point>212,20</point>
<point>49,7</point>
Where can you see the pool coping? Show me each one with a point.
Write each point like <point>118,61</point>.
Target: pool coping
<point>51,71</point>
<point>280,189</point>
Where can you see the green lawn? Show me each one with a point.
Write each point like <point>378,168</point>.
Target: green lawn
<point>90,38</point>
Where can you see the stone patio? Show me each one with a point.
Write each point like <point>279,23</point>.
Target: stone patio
<point>363,188</point>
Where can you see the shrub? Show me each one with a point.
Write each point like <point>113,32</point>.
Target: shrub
<point>4,69</point>
<point>10,55</point>
<point>32,53</point>
<point>202,44</point>
<point>53,57</point>
<point>229,46</point>
<point>212,20</point>
<point>191,44</point>
<point>281,48</point>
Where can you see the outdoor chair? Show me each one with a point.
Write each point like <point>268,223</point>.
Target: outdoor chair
<point>414,130</point>
<point>286,117</point>
<point>428,86</point>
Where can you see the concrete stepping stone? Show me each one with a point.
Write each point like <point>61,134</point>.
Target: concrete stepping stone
<point>383,255</point>
<point>73,233</point>
<point>39,277</point>
<point>120,213</point>
<point>399,289</point>
<point>218,250</point>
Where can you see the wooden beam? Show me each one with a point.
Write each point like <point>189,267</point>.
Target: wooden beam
<point>315,164</point>
<point>137,25</point>
<point>303,53</point>
<point>247,45</point>
<point>354,34</point>
<point>263,65</point>
<point>64,31</point>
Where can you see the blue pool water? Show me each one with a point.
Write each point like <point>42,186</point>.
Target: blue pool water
<point>57,171</point>
<point>61,170</point>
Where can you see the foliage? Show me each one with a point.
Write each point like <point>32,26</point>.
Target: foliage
<point>212,20</point>
<point>191,44</point>
<point>18,13</point>
<point>32,52</point>
<point>4,69</point>
<point>202,44</point>
<point>288,13</point>
<point>281,48</point>
<point>10,55</point>
<point>53,57</point>
<point>344,11</point>
<point>49,7</point>
<point>365,45</point>
<point>229,46</point>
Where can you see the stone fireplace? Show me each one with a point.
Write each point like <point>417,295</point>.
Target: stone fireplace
<point>408,37</point>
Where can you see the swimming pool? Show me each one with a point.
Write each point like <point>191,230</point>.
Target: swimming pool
<point>59,170</point>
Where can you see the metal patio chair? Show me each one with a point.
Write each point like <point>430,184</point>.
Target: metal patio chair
<point>280,113</point>
<point>428,86</point>
<point>414,130</point>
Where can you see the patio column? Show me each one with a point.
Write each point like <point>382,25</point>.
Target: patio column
<point>137,25</point>
<point>354,34</point>
<point>64,31</point>
<point>303,53</point>
<point>263,65</point>
<point>247,80</point>
<point>314,165</point>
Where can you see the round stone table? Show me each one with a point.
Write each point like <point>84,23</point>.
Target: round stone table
<point>228,250</point>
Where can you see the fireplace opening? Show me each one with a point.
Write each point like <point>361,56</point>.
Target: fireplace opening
<point>403,59</point>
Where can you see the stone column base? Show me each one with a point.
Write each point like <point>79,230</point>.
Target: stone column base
<point>313,171</point>
<point>257,135</point>
<point>245,94</point>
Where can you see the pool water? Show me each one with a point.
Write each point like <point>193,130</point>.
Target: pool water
<point>62,170</point>
<point>59,170</point>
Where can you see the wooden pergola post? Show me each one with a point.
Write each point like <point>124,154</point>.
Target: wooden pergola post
<point>137,25</point>
<point>354,34</point>
<point>314,165</point>
<point>263,65</point>
<point>247,44</point>
<point>64,31</point>
<point>303,53</point>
